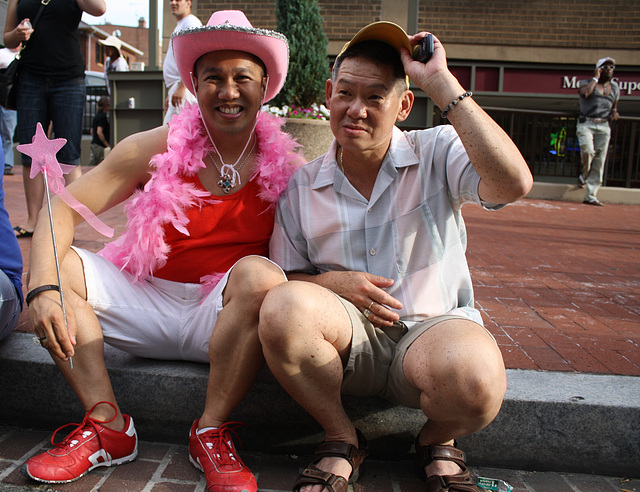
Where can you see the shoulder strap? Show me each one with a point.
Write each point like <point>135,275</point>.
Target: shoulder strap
<point>43,4</point>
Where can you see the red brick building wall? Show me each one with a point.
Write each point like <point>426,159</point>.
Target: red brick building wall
<point>612,24</point>
<point>93,51</point>
<point>513,24</point>
<point>135,36</point>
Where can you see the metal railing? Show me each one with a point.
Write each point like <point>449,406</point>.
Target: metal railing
<point>549,144</point>
<point>90,106</point>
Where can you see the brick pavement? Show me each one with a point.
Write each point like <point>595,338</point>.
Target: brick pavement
<point>164,467</point>
<point>558,283</point>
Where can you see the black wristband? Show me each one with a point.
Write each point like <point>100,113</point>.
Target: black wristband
<point>453,103</point>
<point>39,290</point>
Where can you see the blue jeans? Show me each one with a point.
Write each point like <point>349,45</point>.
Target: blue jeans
<point>44,100</point>
<point>8,121</point>
<point>10,307</point>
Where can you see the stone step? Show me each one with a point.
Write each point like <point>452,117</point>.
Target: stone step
<point>569,422</point>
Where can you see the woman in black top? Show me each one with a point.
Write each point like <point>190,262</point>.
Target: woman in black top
<point>51,86</point>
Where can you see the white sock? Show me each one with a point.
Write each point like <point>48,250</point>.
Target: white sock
<point>206,429</point>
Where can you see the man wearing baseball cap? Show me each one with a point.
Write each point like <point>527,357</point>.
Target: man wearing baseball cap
<point>186,278</point>
<point>598,106</point>
<point>380,300</point>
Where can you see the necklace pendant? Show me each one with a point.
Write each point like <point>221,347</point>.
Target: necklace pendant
<point>225,183</point>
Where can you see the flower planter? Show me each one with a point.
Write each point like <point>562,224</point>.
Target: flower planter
<point>314,135</point>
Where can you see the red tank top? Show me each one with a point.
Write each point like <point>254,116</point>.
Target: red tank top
<point>220,233</point>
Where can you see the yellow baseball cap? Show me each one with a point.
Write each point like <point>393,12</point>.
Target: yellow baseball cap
<point>385,31</point>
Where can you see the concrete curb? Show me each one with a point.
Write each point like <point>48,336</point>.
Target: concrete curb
<point>571,193</point>
<point>567,422</point>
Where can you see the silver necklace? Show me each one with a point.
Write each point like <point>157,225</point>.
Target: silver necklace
<point>229,173</point>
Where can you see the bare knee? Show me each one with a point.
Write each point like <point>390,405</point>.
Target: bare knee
<point>256,273</point>
<point>482,388</point>
<point>293,312</point>
<point>280,306</point>
<point>460,377</point>
<point>250,280</point>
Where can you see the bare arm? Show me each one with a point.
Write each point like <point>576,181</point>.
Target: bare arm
<point>587,89</point>
<point>16,30</point>
<point>178,95</point>
<point>614,112</point>
<point>504,174</point>
<point>113,181</point>
<point>93,7</point>
<point>101,137</point>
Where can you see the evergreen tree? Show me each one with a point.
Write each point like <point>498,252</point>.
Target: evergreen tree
<point>301,22</point>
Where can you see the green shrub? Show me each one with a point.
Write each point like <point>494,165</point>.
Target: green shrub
<point>301,22</point>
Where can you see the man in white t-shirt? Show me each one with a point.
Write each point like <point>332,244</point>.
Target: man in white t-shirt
<point>178,94</point>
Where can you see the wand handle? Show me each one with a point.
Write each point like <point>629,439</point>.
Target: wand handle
<point>55,254</point>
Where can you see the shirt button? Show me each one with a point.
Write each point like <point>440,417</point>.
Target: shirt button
<point>372,251</point>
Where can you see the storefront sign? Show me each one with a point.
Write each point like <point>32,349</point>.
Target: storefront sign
<point>626,86</point>
<point>538,81</point>
<point>558,82</point>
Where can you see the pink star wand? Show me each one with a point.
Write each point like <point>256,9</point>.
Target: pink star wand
<point>43,159</point>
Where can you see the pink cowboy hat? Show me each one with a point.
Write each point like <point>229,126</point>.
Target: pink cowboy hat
<point>231,30</point>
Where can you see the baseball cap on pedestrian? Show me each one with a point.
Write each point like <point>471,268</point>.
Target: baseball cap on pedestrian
<point>604,60</point>
<point>231,30</point>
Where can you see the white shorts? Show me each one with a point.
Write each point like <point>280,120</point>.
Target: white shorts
<point>157,318</point>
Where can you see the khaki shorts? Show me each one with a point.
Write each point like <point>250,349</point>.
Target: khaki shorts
<point>375,363</point>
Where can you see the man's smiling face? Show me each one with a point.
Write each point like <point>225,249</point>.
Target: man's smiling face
<point>229,86</point>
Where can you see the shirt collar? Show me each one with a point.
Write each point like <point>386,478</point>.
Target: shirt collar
<point>399,155</point>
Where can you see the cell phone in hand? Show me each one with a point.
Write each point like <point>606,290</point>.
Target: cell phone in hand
<point>423,51</point>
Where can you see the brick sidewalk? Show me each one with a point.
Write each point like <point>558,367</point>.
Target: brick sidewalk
<point>558,283</point>
<point>164,467</point>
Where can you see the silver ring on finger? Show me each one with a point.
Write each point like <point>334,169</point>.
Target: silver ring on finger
<point>367,313</point>
<point>40,340</point>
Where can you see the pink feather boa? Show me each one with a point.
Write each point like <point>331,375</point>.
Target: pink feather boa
<point>141,249</point>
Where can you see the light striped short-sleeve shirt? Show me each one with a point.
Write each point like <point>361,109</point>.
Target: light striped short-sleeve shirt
<point>410,230</point>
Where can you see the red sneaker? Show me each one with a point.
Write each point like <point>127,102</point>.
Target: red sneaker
<point>89,446</point>
<point>213,453</point>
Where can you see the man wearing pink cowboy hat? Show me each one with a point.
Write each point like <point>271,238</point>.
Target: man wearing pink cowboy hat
<point>380,300</point>
<point>187,277</point>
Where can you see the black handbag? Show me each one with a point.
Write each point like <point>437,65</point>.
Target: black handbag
<point>8,85</point>
<point>9,76</point>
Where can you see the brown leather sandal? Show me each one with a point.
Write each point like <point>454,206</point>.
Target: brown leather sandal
<point>313,475</point>
<point>461,482</point>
